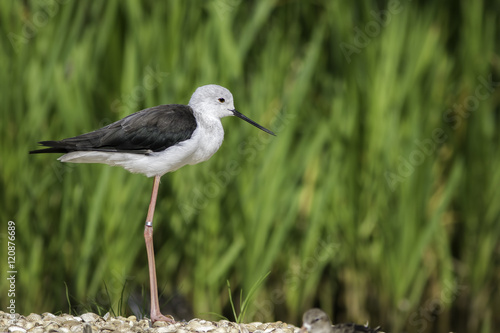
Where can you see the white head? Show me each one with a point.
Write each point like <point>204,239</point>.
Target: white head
<point>316,321</point>
<point>216,101</point>
<point>213,100</point>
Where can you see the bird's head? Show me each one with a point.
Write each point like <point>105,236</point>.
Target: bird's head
<point>316,321</point>
<point>216,101</point>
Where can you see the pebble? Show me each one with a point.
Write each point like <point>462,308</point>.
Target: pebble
<point>201,325</point>
<point>166,329</point>
<point>93,323</point>
<point>89,317</point>
<point>47,315</point>
<point>51,325</point>
<point>36,330</point>
<point>34,317</point>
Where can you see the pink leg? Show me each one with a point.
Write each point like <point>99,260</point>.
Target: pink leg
<point>148,237</point>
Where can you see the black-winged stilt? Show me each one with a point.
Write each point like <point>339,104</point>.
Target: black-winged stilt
<point>153,142</point>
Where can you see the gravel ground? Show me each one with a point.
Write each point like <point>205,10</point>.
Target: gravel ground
<point>92,323</point>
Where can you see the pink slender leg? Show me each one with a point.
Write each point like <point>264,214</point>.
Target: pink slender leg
<point>148,237</point>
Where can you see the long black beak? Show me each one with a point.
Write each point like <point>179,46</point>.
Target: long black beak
<point>250,121</point>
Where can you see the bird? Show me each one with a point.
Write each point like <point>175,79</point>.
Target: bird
<point>317,321</point>
<point>153,142</point>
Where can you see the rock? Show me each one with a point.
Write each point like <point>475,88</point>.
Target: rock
<point>28,325</point>
<point>34,317</point>
<point>47,315</point>
<point>89,329</point>
<point>36,330</point>
<point>72,322</point>
<point>51,325</point>
<point>165,329</point>
<point>143,324</point>
<point>244,329</point>
<point>160,324</point>
<point>198,325</point>
<point>89,317</point>
<point>251,327</point>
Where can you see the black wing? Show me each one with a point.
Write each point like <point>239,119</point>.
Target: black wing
<point>143,132</point>
<point>354,328</point>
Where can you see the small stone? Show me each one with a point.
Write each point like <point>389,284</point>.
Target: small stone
<point>77,329</point>
<point>200,325</point>
<point>143,323</point>
<point>59,320</point>
<point>47,315</point>
<point>116,320</point>
<point>221,330</point>
<point>36,330</point>
<point>243,329</point>
<point>34,317</point>
<point>51,326</point>
<point>40,322</point>
<point>132,318</point>
<point>121,328</point>
<point>16,329</point>
<point>109,326</point>
<point>71,323</point>
<point>19,322</point>
<point>27,325</point>
<point>160,324</point>
<point>172,327</point>
<point>251,327</point>
<point>107,316</point>
<point>89,317</point>
<point>167,328</point>
<point>88,329</point>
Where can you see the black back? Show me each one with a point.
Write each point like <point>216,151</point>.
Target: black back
<point>149,130</point>
<point>354,328</point>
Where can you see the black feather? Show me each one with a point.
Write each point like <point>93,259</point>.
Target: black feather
<point>354,328</point>
<point>150,130</point>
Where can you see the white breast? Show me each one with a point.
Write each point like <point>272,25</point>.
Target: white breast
<point>208,137</point>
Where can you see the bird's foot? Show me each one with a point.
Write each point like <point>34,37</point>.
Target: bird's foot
<point>159,317</point>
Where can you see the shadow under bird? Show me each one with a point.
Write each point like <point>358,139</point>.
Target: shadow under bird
<point>153,142</point>
<point>317,321</point>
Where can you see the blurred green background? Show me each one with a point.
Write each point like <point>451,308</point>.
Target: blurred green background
<point>377,201</point>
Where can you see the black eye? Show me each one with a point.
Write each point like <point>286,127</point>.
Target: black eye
<point>222,100</point>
